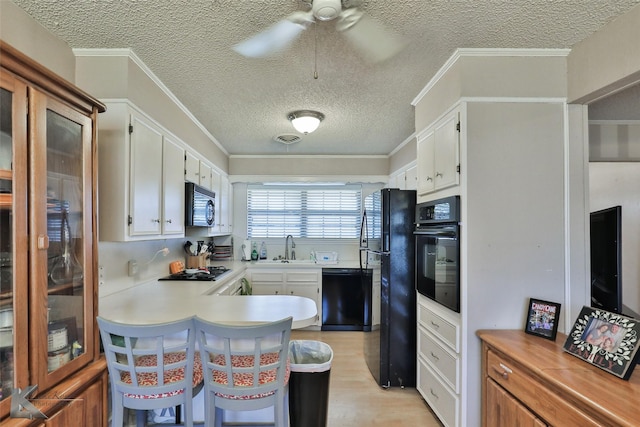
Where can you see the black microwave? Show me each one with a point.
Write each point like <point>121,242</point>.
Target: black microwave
<point>199,206</point>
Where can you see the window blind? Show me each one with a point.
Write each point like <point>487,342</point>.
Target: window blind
<point>304,212</point>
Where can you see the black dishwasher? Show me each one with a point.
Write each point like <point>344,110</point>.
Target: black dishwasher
<point>346,299</point>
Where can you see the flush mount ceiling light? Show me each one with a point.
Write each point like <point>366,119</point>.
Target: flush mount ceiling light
<point>305,121</point>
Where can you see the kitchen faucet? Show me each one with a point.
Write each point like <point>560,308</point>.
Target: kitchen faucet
<point>286,248</point>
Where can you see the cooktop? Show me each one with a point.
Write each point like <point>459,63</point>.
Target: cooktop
<point>210,274</point>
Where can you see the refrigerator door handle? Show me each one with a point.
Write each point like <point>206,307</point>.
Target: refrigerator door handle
<point>378,252</point>
<point>364,232</point>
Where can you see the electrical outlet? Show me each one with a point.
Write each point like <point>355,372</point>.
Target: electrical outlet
<point>133,267</point>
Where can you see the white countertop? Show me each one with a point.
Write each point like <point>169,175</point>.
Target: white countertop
<point>163,301</point>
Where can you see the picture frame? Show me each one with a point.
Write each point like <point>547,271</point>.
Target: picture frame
<point>542,318</point>
<point>606,340</point>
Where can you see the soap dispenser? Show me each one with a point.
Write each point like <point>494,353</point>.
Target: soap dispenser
<point>254,252</point>
<point>263,251</point>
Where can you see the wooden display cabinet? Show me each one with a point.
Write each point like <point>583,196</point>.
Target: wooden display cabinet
<point>48,244</point>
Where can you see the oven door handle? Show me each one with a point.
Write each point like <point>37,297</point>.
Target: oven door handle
<point>436,233</point>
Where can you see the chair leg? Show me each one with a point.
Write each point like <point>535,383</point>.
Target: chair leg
<point>178,415</point>
<point>279,416</point>
<point>219,418</point>
<point>188,410</point>
<point>117,415</point>
<point>209,415</point>
<point>141,418</point>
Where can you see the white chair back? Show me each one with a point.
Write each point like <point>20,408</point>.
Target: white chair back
<point>230,352</point>
<point>151,366</point>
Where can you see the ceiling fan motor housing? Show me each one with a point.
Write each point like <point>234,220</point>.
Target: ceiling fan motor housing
<point>326,10</point>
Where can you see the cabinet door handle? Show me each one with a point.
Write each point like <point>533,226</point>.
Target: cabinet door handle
<point>156,220</point>
<point>503,371</point>
<point>433,393</point>
<point>169,221</point>
<point>434,356</point>
<point>434,324</point>
<point>43,241</point>
<point>438,175</point>
<point>429,178</point>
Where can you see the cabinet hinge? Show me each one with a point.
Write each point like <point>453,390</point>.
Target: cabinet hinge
<point>458,126</point>
<point>129,220</point>
<point>130,129</point>
<point>458,168</point>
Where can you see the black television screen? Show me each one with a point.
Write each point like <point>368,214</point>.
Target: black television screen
<point>606,259</point>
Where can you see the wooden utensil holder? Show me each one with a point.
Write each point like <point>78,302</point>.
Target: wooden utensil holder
<point>197,261</point>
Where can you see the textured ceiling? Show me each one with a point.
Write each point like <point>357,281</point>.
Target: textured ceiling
<point>244,102</point>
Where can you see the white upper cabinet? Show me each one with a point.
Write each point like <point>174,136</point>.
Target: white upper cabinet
<point>426,164</point>
<point>201,172</point>
<point>439,154</point>
<point>207,176</point>
<point>404,178</point>
<point>173,188</point>
<point>145,190</point>
<point>191,168</point>
<point>224,206</point>
<point>411,178</point>
<point>141,181</point>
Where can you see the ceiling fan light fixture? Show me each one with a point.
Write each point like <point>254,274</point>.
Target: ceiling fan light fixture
<point>305,121</point>
<point>326,10</point>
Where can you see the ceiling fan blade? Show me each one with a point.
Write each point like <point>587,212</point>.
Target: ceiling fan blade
<point>276,38</point>
<point>375,41</point>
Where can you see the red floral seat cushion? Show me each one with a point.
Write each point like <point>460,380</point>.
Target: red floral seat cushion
<point>245,379</point>
<point>170,376</point>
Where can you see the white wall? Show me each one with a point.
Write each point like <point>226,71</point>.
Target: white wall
<point>25,34</point>
<point>618,183</point>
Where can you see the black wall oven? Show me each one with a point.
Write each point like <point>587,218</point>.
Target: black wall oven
<point>437,237</point>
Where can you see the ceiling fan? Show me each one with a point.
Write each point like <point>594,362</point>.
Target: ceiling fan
<point>368,36</point>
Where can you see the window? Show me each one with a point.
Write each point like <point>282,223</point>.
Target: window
<point>313,212</point>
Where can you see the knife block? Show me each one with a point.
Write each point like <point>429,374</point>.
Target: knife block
<point>197,261</point>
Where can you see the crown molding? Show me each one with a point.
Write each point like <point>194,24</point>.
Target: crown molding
<point>129,53</point>
<point>487,53</point>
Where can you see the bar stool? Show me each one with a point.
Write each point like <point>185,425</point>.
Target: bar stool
<point>255,357</point>
<point>138,380</point>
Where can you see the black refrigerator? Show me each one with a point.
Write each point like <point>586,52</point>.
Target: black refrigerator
<point>387,245</point>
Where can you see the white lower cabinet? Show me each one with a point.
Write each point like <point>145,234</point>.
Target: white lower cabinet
<point>440,398</point>
<point>298,282</point>
<point>439,360</point>
<point>232,288</point>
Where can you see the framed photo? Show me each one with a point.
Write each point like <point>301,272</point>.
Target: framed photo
<point>542,318</point>
<point>606,340</point>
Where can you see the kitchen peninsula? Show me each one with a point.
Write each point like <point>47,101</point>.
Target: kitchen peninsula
<point>164,301</point>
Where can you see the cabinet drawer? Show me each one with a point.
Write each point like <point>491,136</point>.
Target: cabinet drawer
<point>267,276</point>
<point>440,359</point>
<point>548,406</point>
<point>444,403</point>
<point>440,327</point>
<point>302,276</point>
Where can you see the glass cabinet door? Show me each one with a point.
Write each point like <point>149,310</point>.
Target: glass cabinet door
<point>62,268</point>
<point>13,222</point>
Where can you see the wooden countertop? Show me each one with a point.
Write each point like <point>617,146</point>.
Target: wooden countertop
<point>607,396</point>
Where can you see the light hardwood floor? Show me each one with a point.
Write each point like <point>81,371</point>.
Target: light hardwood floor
<point>354,397</point>
<point>355,400</point>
